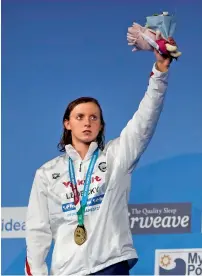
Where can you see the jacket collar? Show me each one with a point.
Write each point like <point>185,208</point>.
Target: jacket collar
<point>73,154</point>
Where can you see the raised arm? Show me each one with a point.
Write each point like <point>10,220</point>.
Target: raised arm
<point>135,137</point>
<point>38,232</point>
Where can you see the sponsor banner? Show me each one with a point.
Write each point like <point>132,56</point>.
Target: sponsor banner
<point>144,218</point>
<point>178,261</point>
<point>13,222</point>
<point>160,218</point>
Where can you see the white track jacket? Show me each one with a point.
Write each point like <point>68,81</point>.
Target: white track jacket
<point>51,211</point>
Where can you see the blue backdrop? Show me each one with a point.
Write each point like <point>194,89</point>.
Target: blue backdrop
<point>56,51</point>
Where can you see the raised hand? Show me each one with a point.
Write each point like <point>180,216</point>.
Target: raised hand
<point>162,61</point>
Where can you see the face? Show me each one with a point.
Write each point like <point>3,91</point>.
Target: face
<point>84,122</point>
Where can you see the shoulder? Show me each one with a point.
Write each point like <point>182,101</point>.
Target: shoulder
<point>111,146</point>
<point>53,163</point>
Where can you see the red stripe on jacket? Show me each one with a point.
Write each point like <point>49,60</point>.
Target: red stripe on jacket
<point>28,268</point>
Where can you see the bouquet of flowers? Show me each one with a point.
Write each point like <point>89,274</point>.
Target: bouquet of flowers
<point>157,33</point>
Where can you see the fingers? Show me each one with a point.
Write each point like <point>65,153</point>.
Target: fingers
<point>176,54</point>
<point>170,47</point>
<point>173,50</point>
<point>163,58</point>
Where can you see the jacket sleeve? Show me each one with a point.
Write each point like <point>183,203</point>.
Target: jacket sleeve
<point>38,232</point>
<point>135,137</point>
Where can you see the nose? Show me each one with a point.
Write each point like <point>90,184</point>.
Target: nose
<point>87,121</point>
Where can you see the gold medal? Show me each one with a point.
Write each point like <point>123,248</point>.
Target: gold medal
<point>80,235</point>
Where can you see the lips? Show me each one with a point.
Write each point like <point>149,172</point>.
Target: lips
<point>87,132</point>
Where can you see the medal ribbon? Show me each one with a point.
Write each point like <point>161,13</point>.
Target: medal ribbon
<point>80,206</point>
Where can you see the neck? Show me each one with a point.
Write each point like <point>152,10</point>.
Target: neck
<point>81,148</point>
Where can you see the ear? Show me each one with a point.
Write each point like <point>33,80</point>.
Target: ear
<point>67,125</point>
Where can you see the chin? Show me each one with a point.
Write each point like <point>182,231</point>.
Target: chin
<point>88,140</point>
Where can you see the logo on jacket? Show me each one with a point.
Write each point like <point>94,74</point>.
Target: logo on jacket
<point>55,175</point>
<point>102,166</point>
<point>94,179</point>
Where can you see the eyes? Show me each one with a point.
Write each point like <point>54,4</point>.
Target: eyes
<point>79,117</point>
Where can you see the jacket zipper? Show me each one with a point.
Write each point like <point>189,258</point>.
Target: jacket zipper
<point>80,167</point>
